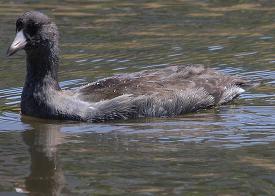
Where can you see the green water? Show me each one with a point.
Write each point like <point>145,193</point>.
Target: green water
<point>223,151</point>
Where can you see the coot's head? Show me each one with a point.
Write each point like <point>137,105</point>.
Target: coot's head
<point>34,31</point>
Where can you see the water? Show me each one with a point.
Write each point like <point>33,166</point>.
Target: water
<point>222,151</point>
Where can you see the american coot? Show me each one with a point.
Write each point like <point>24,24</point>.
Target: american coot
<point>170,91</point>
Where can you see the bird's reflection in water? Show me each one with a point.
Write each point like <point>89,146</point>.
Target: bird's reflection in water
<point>46,176</point>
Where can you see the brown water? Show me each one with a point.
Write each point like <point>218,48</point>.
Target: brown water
<point>223,151</point>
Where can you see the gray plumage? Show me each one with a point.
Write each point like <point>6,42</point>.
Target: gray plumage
<point>170,91</point>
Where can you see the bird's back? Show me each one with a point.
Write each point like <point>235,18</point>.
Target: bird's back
<point>163,92</point>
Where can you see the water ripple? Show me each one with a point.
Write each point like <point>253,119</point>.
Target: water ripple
<point>214,48</point>
<point>231,128</point>
<point>245,54</point>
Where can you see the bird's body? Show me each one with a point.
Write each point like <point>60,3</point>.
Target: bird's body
<point>169,91</point>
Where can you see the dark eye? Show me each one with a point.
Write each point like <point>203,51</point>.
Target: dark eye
<point>32,28</point>
<point>19,25</point>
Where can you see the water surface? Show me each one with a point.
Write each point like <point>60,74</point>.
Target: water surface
<point>222,151</point>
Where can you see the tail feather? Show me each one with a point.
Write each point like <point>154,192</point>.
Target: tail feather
<point>230,93</point>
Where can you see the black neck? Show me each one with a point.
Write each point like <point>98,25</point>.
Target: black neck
<point>42,67</point>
